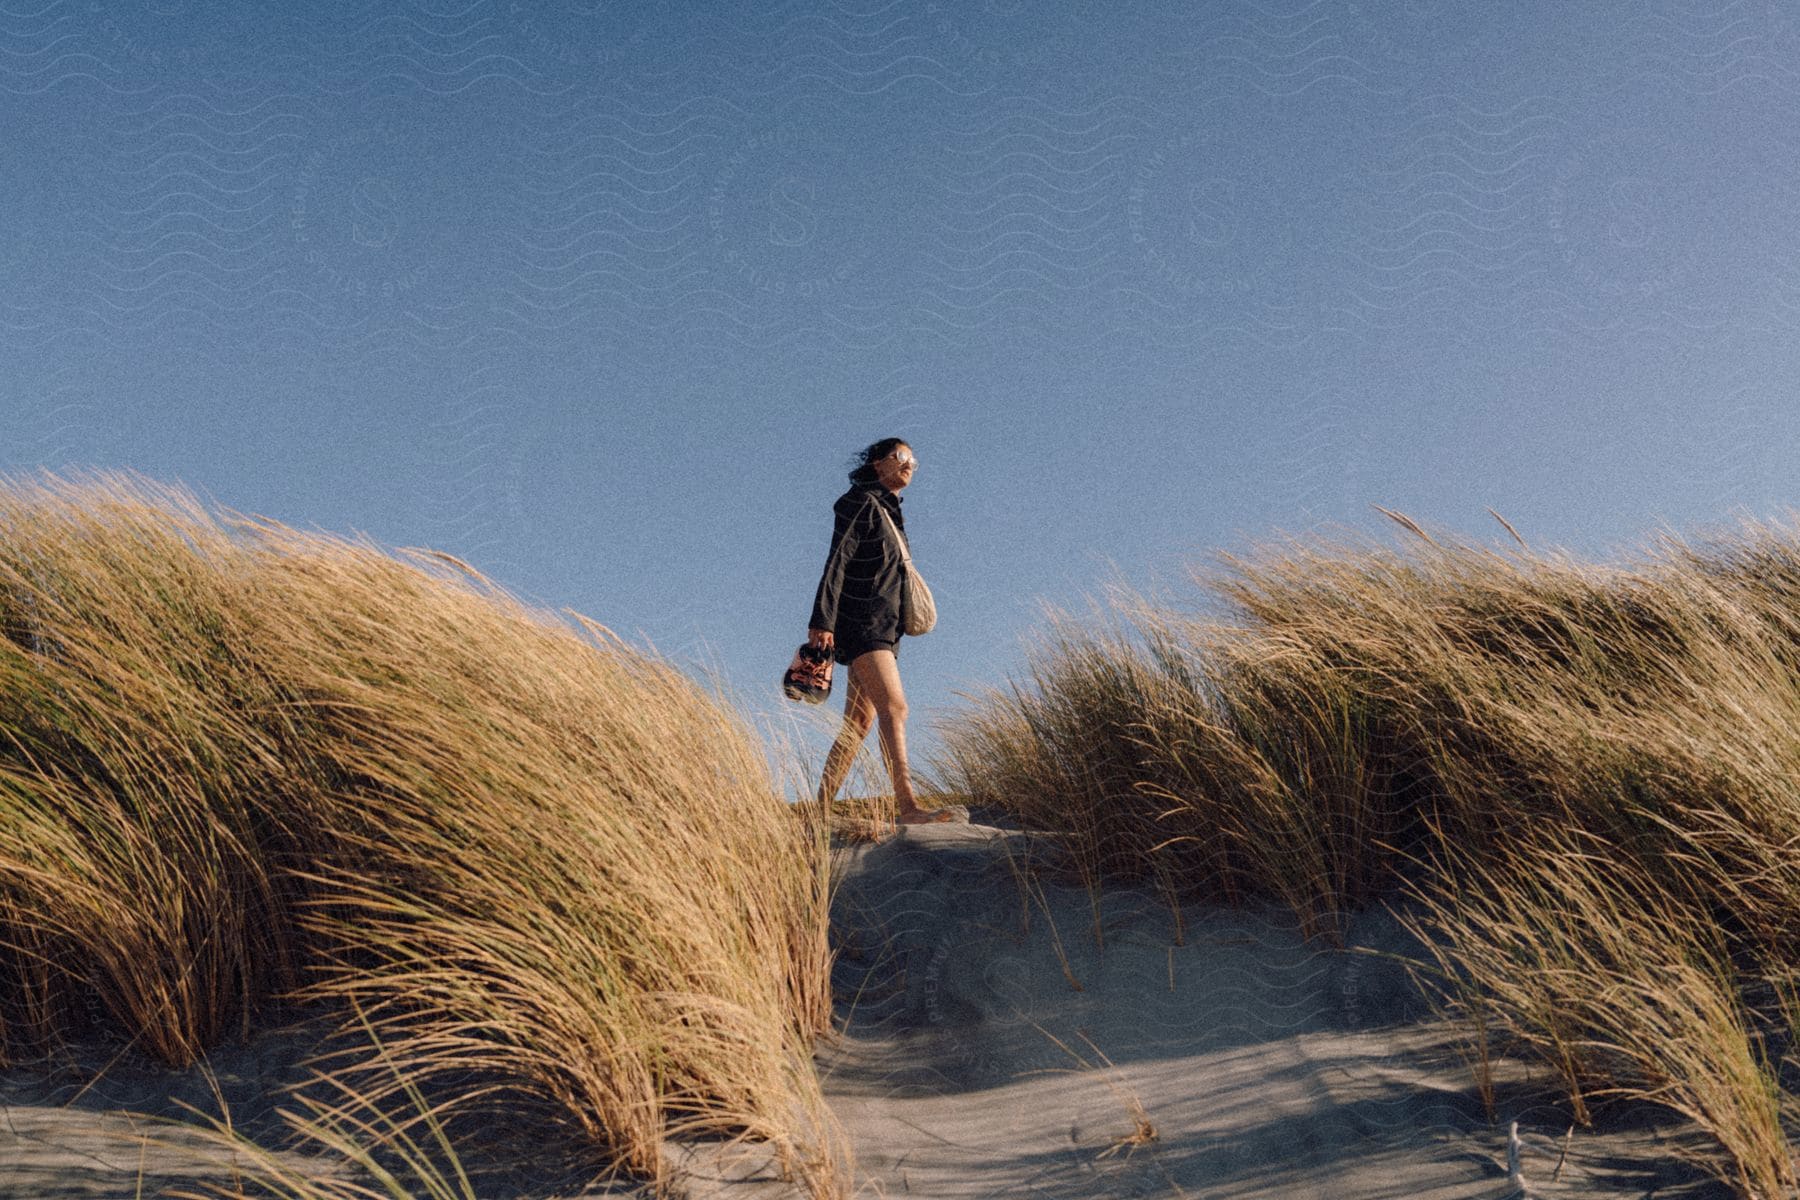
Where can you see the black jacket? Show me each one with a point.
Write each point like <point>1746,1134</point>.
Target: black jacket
<point>859,590</point>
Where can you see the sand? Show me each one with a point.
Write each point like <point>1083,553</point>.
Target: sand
<point>979,1023</point>
<point>997,1043</point>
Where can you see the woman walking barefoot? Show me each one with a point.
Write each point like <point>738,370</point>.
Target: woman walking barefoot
<point>856,616</point>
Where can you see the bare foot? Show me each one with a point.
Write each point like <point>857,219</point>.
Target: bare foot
<point>924,816</point>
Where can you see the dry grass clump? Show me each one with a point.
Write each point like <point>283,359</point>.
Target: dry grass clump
<point>1624,984</point>
<point>852,818</point>
<point>243,763</point>
<point>1486,731</point>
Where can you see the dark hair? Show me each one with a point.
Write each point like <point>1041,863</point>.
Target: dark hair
<point>874,452</point>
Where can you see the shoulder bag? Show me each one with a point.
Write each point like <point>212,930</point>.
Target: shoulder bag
<point>918,611</point>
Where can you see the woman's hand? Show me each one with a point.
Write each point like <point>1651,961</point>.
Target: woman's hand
<point>819,639</point>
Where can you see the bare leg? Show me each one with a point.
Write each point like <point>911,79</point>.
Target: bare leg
<point>876,697</point>
<point>881,683</point>
<point>859,715</point>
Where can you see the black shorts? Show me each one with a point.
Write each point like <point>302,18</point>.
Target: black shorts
<point>846,650</point>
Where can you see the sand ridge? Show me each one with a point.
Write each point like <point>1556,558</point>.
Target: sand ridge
<point>1003,1039</point>
<point>1266,1066</point>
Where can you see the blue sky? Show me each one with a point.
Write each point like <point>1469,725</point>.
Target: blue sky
<point>602,296</point>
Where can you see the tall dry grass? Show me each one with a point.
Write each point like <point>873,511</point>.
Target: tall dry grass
<point>1624,983</point>
<point>240,764</point>
<point>1340,721</point>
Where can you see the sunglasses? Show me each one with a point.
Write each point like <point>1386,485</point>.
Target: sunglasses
<point>903,458</point>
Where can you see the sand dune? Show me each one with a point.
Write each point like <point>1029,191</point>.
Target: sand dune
<point>1266,1067</point>
<point>992,1047</point>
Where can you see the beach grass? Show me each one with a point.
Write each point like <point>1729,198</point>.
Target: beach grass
<point>1583,780</point>
<point>244,766</point>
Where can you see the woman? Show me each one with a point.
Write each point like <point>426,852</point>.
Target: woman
<point>856,617</point>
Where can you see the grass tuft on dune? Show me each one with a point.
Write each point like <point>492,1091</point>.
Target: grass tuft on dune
<point>1585,777</point>
<point>242,764</point>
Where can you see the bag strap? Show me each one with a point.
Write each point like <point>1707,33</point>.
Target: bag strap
<point>898,536</point>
